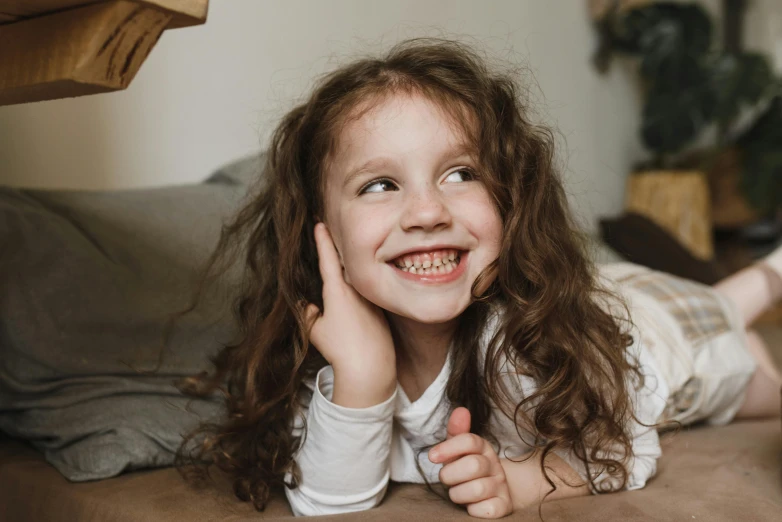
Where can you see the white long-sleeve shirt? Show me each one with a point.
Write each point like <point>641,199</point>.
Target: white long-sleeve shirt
<point>350,454</point>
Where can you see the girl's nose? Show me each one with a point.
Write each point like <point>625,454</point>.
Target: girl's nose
<point>425,210</point>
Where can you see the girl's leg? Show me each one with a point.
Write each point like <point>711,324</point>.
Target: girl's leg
<point>763,397</point>
<point>754,290</point>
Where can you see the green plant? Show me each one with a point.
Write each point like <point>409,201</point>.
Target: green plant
<point>761,154</point>
<point>690,86</point>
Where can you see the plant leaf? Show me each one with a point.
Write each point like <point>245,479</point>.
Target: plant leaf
<point>738,79</point>
<point>671,119</point>
<point>665,34</point>
<point>761,159</point>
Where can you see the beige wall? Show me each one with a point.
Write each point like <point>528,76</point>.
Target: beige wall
<point>212,93</point>
<point>763,30</point>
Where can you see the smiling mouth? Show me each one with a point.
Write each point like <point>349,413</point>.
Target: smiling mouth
<point>436,263</point>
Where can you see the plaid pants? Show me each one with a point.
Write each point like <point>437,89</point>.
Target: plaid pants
<point>697,337</point>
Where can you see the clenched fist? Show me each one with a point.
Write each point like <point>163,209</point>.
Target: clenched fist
<point>472,470</point>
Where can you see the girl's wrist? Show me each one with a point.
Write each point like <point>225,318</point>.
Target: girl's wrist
<point>362,389</point>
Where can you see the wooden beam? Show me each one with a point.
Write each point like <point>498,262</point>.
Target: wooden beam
<point>95,48</point>
<point>184,12</point>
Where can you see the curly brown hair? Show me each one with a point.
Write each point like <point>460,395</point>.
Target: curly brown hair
<point>552,328</point>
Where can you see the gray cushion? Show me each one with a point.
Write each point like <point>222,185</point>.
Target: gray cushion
<point>243,171</point>
<point>87,280</point>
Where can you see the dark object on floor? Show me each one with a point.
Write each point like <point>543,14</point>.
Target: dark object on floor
<point>641,241</point>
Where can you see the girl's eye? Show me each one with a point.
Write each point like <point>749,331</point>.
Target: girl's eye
<point>465,174</point>
<point>379,185</point>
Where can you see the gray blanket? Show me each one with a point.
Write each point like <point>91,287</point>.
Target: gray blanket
<point>87,280</point>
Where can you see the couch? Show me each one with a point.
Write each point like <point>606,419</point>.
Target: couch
<point>86,434</point>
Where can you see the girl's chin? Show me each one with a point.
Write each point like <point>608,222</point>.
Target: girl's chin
<point>431,320</point>
<point>441,316</point>
<point>431,310</point>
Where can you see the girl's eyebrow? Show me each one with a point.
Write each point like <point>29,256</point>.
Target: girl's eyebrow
<point>373,164</point>
<point>384,162</point>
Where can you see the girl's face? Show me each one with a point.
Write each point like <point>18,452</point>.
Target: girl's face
<point>401,200</point>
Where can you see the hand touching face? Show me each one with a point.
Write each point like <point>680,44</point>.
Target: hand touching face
<point>351,333</point>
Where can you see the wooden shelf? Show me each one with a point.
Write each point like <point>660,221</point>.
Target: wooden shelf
<point>184,12</point>
<point>64,48</point>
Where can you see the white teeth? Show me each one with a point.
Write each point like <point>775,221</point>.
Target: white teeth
<point>412,270</point>
<point>415,262</point>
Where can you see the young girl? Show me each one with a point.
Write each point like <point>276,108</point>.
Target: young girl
<point>419,307</point>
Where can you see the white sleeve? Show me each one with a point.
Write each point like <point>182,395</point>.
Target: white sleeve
<point>648,403</point>
<point>344,459</point>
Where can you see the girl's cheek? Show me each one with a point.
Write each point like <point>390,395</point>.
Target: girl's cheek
<point>477,207</point>
<point>370,228</point>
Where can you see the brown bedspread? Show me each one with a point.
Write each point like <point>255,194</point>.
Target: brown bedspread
<point>706,474</point>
